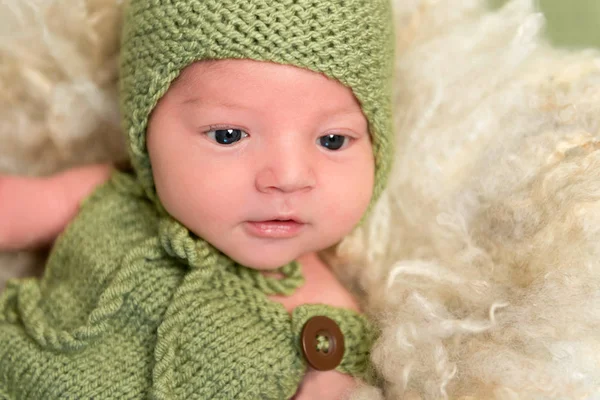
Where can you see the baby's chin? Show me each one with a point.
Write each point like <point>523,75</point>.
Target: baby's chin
<point>264,262</point>
<point>266,259</point>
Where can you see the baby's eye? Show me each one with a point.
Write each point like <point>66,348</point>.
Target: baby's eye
<point>226,136</point>
<point>334,142</point>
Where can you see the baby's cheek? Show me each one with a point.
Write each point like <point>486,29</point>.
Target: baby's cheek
<point>350,201</point>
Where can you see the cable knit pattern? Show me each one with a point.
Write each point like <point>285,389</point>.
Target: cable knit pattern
<point>351,41</point>
<point>141,309</point>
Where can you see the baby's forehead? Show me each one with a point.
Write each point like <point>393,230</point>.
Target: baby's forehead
<point>238,81</point>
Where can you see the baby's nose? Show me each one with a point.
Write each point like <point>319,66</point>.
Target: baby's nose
<point>286,171</point>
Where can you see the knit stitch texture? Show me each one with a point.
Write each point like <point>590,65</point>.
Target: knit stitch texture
<point>130,308</point>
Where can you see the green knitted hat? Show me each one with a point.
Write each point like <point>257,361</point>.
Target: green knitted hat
<point>347,40</point>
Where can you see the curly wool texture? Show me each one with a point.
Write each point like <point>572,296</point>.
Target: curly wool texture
<point>481,259</point>
<point>58,75</point>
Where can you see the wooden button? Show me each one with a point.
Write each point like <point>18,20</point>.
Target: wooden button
<point>322,343</point>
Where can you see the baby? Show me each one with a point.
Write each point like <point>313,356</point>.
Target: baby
<point>259,134</point>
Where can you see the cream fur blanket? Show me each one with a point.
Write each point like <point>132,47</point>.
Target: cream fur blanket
<point>482,260</point>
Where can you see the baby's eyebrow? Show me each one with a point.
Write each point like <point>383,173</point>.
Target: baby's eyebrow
<point>213,103</point>
<point>345,111</point>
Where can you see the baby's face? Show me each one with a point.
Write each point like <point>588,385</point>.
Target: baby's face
<point>266,162</point>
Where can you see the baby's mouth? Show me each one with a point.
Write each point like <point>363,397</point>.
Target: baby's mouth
<point>275,228</point>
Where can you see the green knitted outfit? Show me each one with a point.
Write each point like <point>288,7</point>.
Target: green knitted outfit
<point>132,304</point>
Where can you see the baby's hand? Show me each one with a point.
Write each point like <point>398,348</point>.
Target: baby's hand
<point>321,287</point>
<point>34,211</point>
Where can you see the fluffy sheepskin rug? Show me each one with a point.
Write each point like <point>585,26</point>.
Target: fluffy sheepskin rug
<point>482,259</point>
<point>482,262</point>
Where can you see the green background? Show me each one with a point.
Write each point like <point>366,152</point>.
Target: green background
<point>570,23</point>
